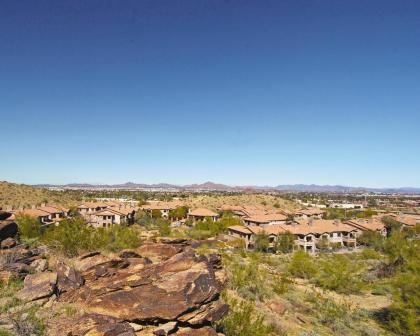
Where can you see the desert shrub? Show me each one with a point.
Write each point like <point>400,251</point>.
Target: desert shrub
<point>368,253</point>
<point>29,227</point>
<point>199,234</point>
<point>391,225</point>
<point>285,242</point>
<point>323,244</point>
<point>340,274</point>
<point>237,243</point>
<point>339,316</point>
<point>180,212</point>
<point>261,242</point>
<point>281,284</point>
<point>249,279</point>
<point>29,324</point>
<point>371,239</point>
<point>244,320</point>
<point>156,213</point>
<point>116,238</point>
<point>73,236</point>
<point>302,265</point>
<point>403,314</point>
<point>164,227</point>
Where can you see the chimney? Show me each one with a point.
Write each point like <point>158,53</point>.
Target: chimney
<point>370,220</point>
<point>311,222</point>
<point>33,206</point>
<point>337,222</point>
<point>43,204</point>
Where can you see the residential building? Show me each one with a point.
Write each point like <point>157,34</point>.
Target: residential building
<point>369,224</point>
<point>163,207</point>
<point>307,233</point>
<point>201,214</point>
<point>309,213</point>
<point>265,220</point>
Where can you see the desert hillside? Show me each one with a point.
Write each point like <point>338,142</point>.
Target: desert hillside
<point>213,201</point>
<point>15,195</point>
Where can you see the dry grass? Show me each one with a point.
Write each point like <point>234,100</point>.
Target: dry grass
<point>16,195</point>
<point>216,201</point>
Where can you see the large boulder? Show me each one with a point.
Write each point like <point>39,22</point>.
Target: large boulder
<point>8,229</point>
<point>68,277</point>
<point>160,292</point>
<point>90,324</point>
<point>8,243</point>
<point>159,252</point>
<point>4,214</point>
<point>38,286</point>
<point>204,331</point>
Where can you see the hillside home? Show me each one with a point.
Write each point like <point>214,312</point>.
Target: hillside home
<point>43,216</point>
<point>56,212</point>
<point>307,233</point>
<point>369,224</point>
<point>309,213</point>
<point>406,220</point>
<point>106,218</point>
<point>163,207</point>
<point>265,220</point>
<point>201,214</point>
<point>90,207</point>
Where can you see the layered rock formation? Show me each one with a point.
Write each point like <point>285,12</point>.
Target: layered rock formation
<point>158,289</point>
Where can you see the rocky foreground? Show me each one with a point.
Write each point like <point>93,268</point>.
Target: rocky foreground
<point>158,289</point>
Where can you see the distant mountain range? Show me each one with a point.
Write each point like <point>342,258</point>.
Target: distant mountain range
<point>211,186</point>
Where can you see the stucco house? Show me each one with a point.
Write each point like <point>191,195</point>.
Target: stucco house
<point>163,207</point>
<point>265,220</point>
<point>309,213</point>
<point>307,233</point>
<point>369,224</point>
<point>201,214</point>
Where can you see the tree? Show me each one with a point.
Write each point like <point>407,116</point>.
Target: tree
<point>391,225</point>
<point>180,212</point>
<point>29,227</point>
<point>285,242</point>
<point>261,242</point>
<point>302,265</point>
<point>156,213</point>
<point>163,227</point>
<point>372,239</point>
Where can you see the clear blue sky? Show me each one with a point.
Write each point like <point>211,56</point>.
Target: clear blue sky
<point>238,92</point>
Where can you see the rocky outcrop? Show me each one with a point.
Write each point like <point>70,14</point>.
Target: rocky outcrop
<point>8,229</point>
<point>7,243</point>
<point>166,291</point>
<point>68,277</point>
<point>157,289</point>
<point>38,286</point>
<point>4,214</point>
<point>90,324</point>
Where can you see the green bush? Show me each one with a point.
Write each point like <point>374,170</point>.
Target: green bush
<point>249,279</point>
<point>404,312</point>
<point>371,239</point>
<point>281,284</point>
<point>368,253</point>
<point>339,274</point>
<point>285,242</point>
<point>261,242</point>
<point>73,237</point>
<point>29,227</point>
<point>244,320</point>
<point>302,265</point>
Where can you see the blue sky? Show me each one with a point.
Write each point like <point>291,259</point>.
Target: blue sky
<point>238,92</point>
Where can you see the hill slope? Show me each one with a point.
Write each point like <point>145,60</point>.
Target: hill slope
<point>15,195</point>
